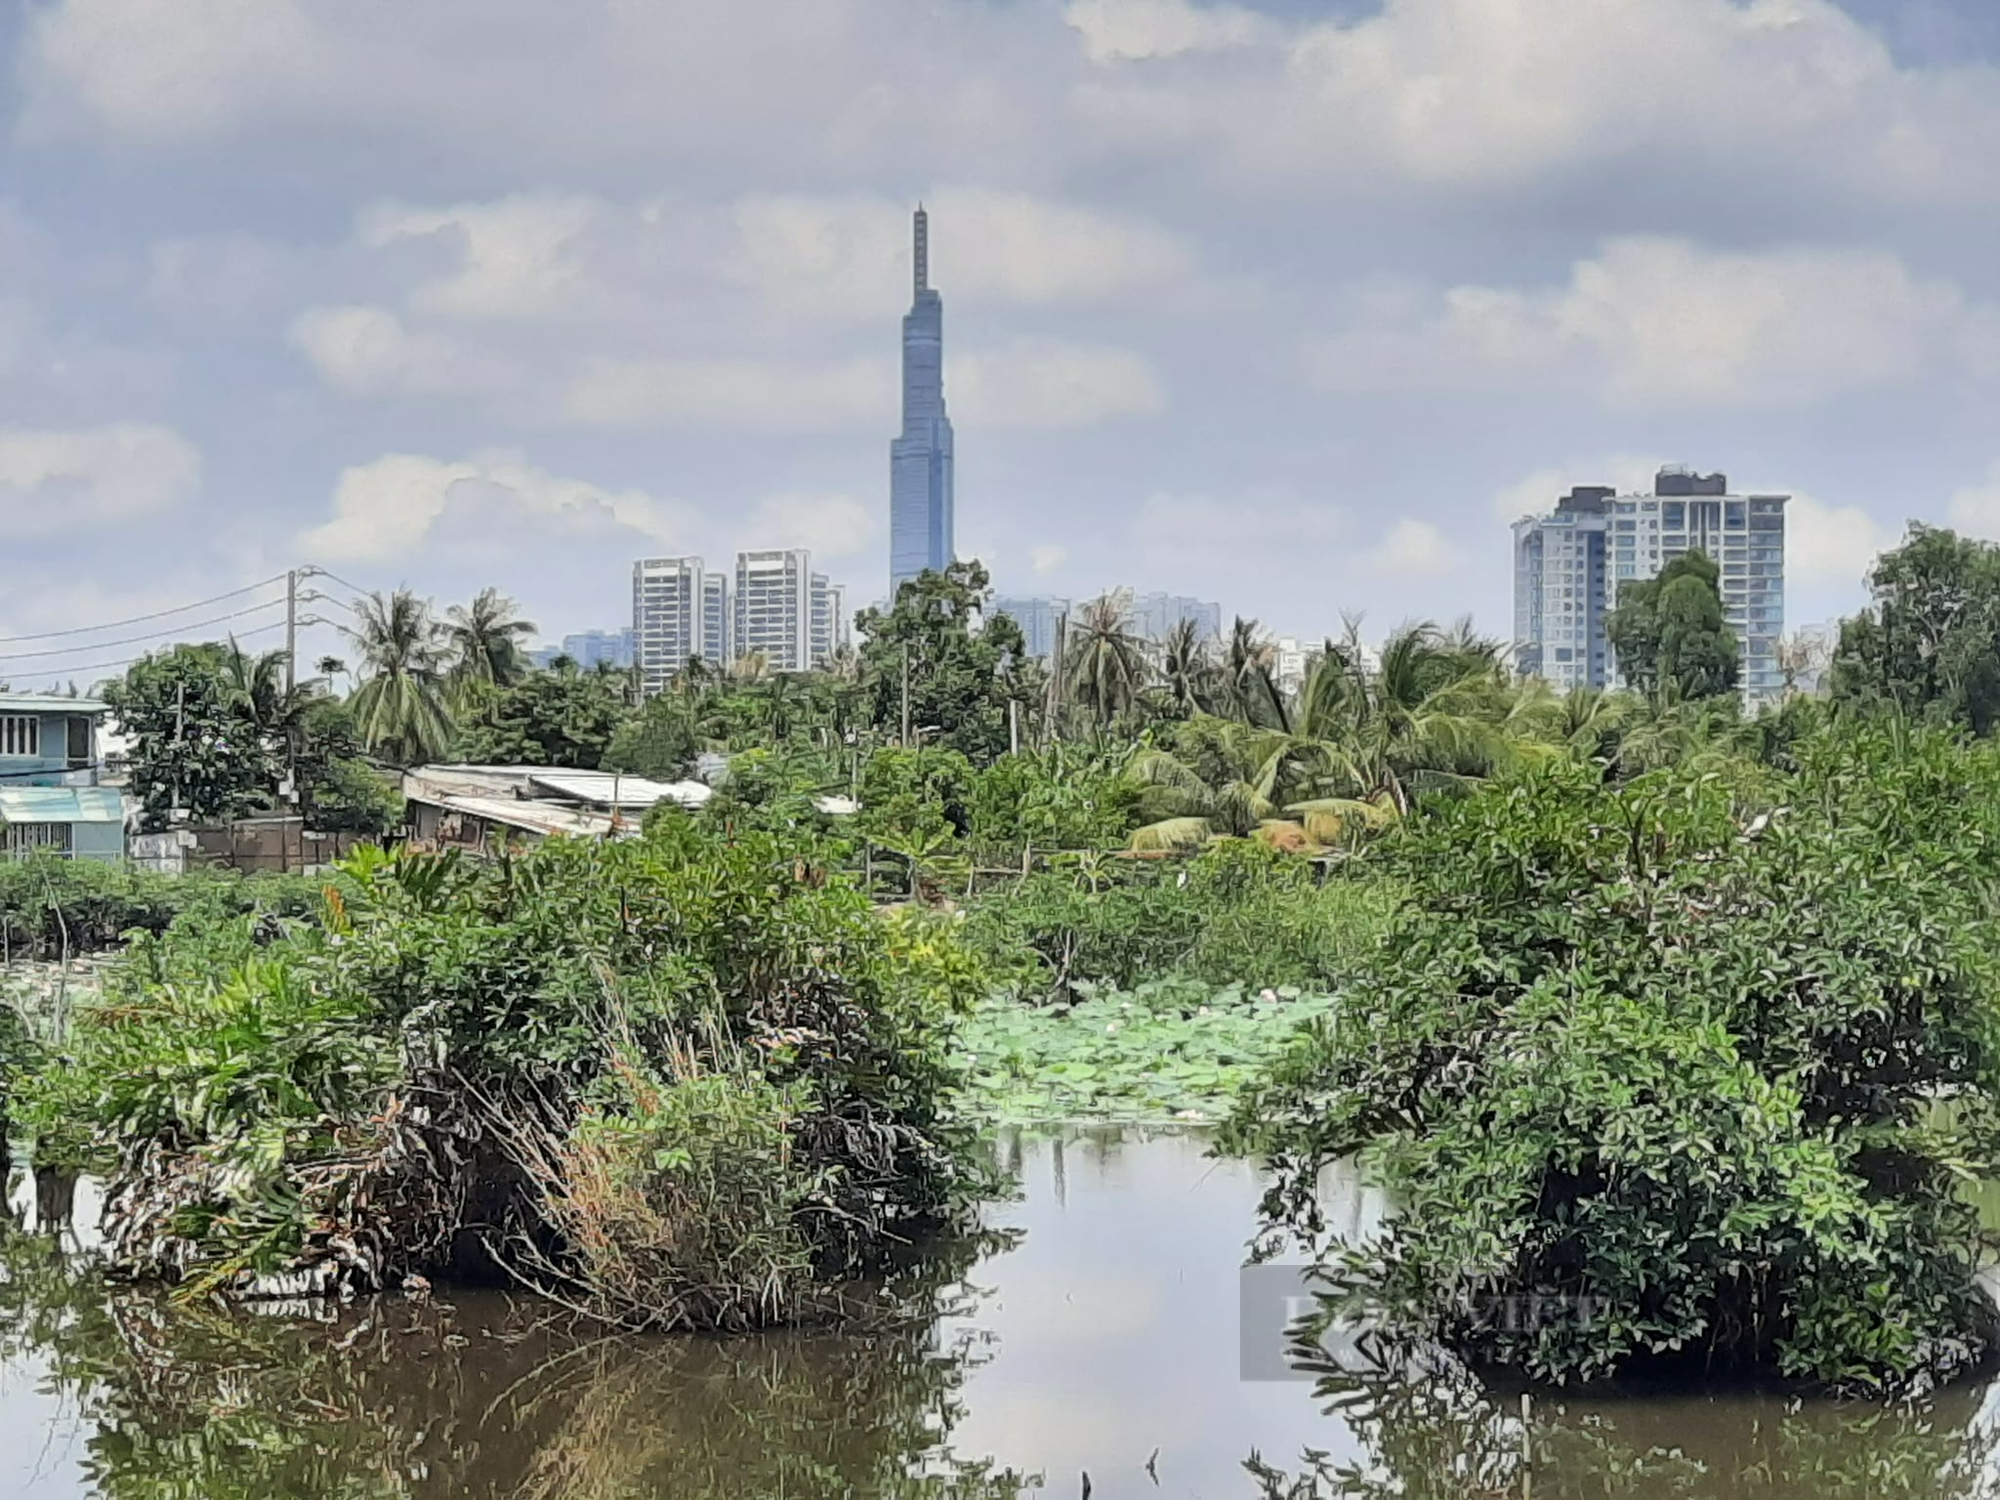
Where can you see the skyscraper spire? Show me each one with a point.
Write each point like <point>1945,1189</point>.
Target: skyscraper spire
<point>923,257</point>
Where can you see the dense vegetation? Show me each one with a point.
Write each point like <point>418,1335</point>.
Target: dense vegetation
<point>1695,1065</point>
<point>674,1080</point>
<point>1674,1018</point>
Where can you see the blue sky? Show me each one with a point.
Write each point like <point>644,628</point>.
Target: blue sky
<point>1290,305</point>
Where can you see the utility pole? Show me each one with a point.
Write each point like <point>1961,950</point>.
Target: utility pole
<point>291,629</point>
<point>906,695</point>
<point>1014,725</point>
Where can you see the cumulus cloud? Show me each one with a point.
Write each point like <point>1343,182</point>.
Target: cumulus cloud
<point>1043,384</point>
<point>368,351</point>
<point>1651,322</point>
<point>390,509</point>
<point>1536,493</point>
<point>1975,508</point>
<point>1832,546</point>
<point>833,526</point>
<point>514,258</point>
<point>1411,549</point>
<point>1134,30</point>
<point>53,481</point>
<point>1046,557</point>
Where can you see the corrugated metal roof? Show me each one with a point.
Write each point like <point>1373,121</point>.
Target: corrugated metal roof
<point>49,703</point>
<point>601,786</point>
<point>62,804</point>
<point>535,817</point>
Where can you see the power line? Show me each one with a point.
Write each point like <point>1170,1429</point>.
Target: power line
<point>158,614</point>
<point>151,635</point>
<point>105,666</point>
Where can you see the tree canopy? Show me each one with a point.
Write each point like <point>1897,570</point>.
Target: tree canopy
<point>1669,633</point>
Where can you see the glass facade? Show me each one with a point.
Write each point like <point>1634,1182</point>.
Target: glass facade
<point>1568,568</point>
<point>920,461</point>
<point>1038,617</point>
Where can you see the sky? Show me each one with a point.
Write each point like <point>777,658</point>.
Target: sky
<point>1292,305</point>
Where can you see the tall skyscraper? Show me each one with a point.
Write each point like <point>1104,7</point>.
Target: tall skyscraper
<point>920,461</point>
<point>774,608</point>
<point>1568,567</point>
<point>675,617</point>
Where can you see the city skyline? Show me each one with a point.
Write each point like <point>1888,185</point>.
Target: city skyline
<point>420,335</point>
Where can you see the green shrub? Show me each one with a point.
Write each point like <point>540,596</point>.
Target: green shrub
<point>1703,1080</point>
<point>334,1100</point>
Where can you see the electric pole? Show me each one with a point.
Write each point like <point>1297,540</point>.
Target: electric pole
<point>906,695</point>
<point>291,629</point>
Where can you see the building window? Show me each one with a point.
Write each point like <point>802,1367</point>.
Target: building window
<point>36,838</point>
<point>20,736</point>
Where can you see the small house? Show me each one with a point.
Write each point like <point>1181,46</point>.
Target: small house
<point>50,797</point>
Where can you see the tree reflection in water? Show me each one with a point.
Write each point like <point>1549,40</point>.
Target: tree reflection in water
<point>1434,1431</point>
<point>485,1397</point>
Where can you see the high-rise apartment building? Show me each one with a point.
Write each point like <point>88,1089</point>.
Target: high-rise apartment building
<point>920,460</point>
<point>1569,565</point>
<point>1040,618</point>
<point>1155,615</point>
<point>717,621</point>
<point>674,618</point>
<point>829,619</point>
<point>774,608</point>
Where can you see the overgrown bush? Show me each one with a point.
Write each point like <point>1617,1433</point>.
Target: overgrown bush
<point>344,1104</point>
<point>1699,1082</point>
<point>50,907</point>
<point>1238,913</point>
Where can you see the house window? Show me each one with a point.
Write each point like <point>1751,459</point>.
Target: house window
<point>20,735</point>
<point>37,838</point>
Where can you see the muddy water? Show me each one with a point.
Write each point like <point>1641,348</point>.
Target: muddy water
<point>1101,1335</point>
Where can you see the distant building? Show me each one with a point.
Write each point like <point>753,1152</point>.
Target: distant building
<point>1291,659</point>
<point>1569,565</point>
<point>589,649</point>
<point>774,608</point>
<point>1039,617</point>
<point>50,800</point>
<point>674,618</point>
<point>1155,615</point>
<point>921,460</point>
<point>829,619</point>
<point>718,625</point>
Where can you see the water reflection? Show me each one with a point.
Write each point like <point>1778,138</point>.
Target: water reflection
<point>1102,1337</point>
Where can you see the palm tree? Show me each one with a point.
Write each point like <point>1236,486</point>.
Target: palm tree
<point>1106,666</point>
<point>330,667</point>
<point>400,707</point>
<point>484,640</point>
<point>1249,690</point>
<point>254,688</point>
<point>1187,669</point>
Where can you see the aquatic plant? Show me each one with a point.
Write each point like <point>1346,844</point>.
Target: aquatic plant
<point>1168,1050</point>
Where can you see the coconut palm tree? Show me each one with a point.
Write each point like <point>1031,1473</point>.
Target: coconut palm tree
<point>1106,667</point>
<point>400,707</point>
<point>1187,669</point>
<point>484,640</point>
<point>1249,690</point>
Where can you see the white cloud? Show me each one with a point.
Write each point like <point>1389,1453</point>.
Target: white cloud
<point>515,257</point>
<point>1038,384</point>
<point>53,481</point>
<point>833,526</point>
<point>1411,549</point>
<point>368,351</point>
<point>1831,545</point>
<point>1653,322</point>
<point>1046,557</point>
<point>1133,30</point>
<point>389,510</point>
<point>1975,508</point>
<point>1182,536</point>
<point>1537,493</point>
<point>741,394</point>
